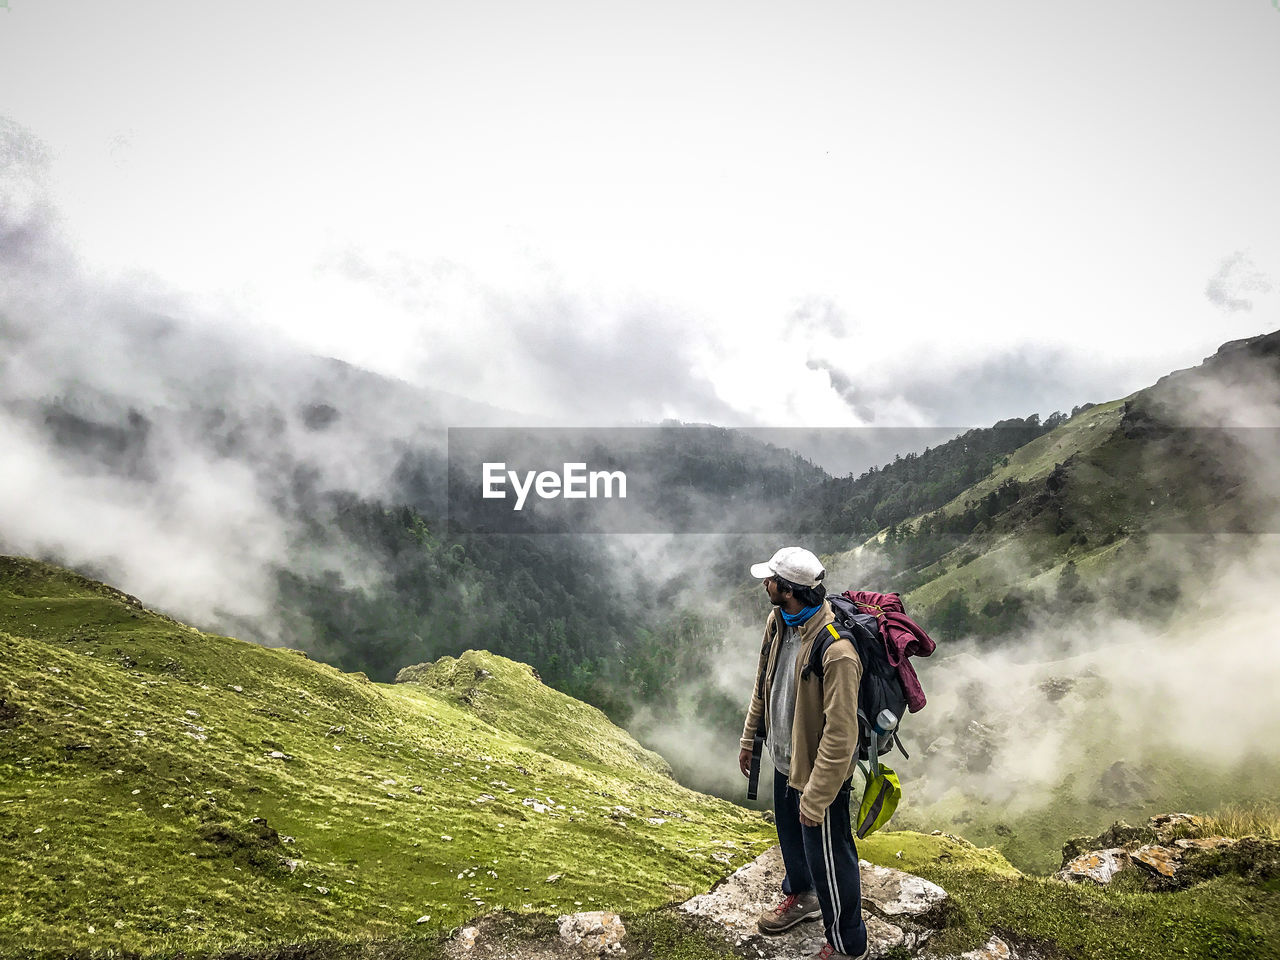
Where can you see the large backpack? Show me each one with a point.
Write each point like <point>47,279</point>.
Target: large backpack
<point>881,686</point>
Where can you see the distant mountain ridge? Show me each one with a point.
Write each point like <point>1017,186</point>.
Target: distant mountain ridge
<point>1066,512</point>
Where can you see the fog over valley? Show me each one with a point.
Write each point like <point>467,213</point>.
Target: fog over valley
<point>395,399</point>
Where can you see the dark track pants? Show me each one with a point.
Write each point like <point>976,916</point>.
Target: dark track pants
<point>823,859</point>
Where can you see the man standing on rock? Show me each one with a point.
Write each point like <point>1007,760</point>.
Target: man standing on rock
<point>811,729</point>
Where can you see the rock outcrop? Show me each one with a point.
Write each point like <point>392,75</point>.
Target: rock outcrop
<point>1170,851</point>
<point>902,911</point>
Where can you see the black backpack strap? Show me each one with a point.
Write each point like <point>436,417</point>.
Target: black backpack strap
<point>764,660</point>
<point>826,638</point>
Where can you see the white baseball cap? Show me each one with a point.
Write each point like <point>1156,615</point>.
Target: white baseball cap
<point>794,564</point>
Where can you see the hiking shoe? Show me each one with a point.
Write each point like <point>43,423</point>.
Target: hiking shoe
<point>828,952</point>
<point>792,910</point>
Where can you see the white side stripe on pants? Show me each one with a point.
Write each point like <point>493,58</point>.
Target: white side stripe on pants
<point>828,854</point>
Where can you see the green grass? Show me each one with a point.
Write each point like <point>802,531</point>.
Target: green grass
<point>669,935</point>
<point>135,754</point>
<point>1222,918</point>
<point>1258,819</point>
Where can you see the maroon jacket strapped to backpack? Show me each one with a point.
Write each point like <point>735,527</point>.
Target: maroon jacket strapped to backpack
<point>903,638</point>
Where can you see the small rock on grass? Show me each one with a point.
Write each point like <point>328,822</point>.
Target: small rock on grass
<point>883,935</point>
<point>595,933</point>
<point>1098,866</point>
<point>993,949</point>
<point>896,893</point>
<point>1167,826</point>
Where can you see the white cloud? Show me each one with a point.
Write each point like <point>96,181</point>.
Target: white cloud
<point>957,185</point>
<point>1236,280</point>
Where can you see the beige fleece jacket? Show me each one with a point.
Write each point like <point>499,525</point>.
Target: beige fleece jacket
<point>824,734</point>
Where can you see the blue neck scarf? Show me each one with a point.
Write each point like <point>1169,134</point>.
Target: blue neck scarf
<point>795,619</point>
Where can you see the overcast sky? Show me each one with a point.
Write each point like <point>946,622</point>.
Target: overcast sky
<point>829,213</point>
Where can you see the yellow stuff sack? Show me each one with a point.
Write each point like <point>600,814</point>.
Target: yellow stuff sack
<point>879,800</point>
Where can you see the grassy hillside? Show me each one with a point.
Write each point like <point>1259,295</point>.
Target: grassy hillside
<point>1093,494</point>
<point>1006,551</point>
<point>1036,460</point>
<point>165,789</point>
